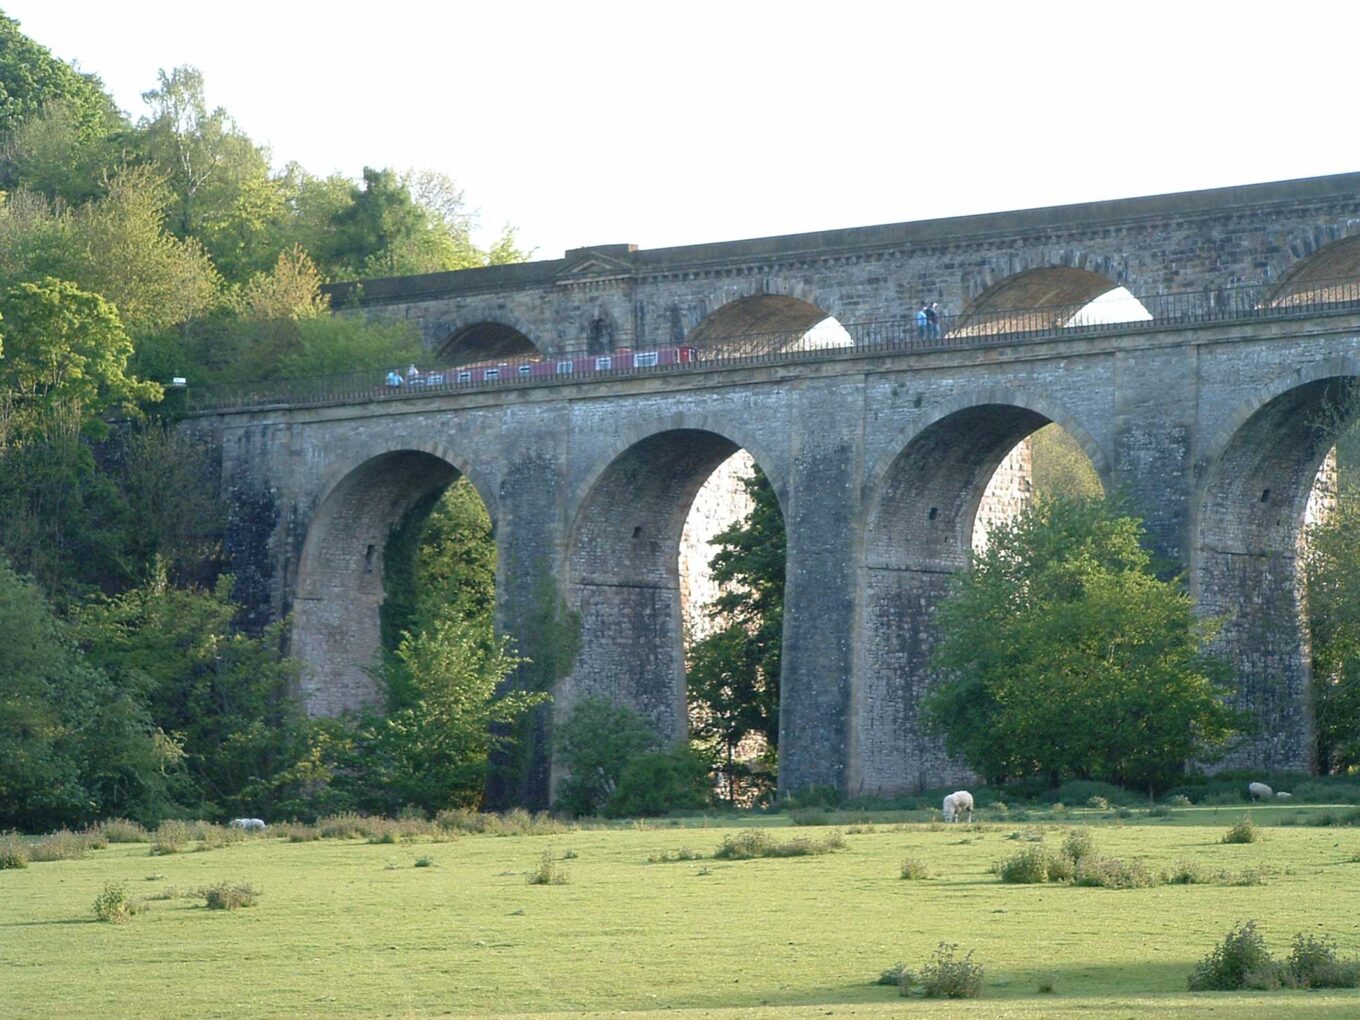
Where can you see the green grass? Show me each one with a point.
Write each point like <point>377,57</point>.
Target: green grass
<point>337,932</point>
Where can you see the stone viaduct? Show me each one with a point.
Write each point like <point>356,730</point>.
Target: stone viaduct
<point>1213,416</point>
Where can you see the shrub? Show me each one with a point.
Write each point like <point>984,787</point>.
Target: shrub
<point>1112,873</point>
<point>1243,832</point>
<point>63,845</point>
<point>895,975</point>
<point>227,896</point>
<point>914,868</point>
<point>671,856</point>
<point>1027,867</point>
<point>122,830</point>
<point>170,838</point>
<point>1159,811</point>
<point>751,843</point>
<point>594,744</point>
<point>13,852</point>
<point>425,862</point>
<point>657,782</point>
<point>1179,800</point>
<point>1078,844</point>
<point>946,976</point>
<point>1241,954</point>
<point>112,904</point>
<point>547,872</point>
<point>346,826</point>
<point>1312,963</point>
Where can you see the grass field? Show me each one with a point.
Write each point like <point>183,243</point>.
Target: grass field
<point>351,928</point>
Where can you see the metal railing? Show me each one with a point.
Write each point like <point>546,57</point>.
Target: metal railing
<point>985,327</point>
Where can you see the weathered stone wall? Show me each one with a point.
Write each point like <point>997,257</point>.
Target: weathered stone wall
<point>721,502</point>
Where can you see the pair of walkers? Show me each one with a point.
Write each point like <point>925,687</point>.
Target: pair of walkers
<point>928,321</point>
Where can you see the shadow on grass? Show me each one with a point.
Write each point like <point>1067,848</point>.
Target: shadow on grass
<point>37,924</point>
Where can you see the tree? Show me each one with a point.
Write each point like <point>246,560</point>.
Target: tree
<point>1063,655</point>
<point>31,78</point>
<point>733,674</point>
<point>594,744</point>
<point>1332,574</point>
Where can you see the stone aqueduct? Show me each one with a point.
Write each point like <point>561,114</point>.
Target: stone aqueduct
<point>879,454</point>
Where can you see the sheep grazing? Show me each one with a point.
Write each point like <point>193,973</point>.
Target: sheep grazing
<point>247,824</point>
<point>1260,791</point>
<point>956,804</point>
<point>1283,795</point>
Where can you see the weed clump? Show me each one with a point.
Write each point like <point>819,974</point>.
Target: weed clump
<point>752,843</point>
<point>113,906</point>
<point>915,868</point>
<point>63,845</point>
<point>228,896</point>
<point>671,856</point>
<point>170,837</point>
<point>1313,963</point>
<point>548,872</point>
<point>948,976</point>
<point>425,862</point>
<point>1241,957</point>
<point>1244,831</point>
<point>13,852</point>
<point>122,830</point>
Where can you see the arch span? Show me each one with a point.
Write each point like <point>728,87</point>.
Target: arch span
<point>761,323</point>
<point>1250,508</point>
<point>622,574</point>
<point>1039,298</point>
<point>339,590</point>
<point>1325,267</point>
<point>922,510</point>
<point>486,340</point>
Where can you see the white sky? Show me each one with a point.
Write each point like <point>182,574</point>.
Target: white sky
<point>604,122</point>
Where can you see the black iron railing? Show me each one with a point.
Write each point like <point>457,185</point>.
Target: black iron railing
<point>985,327</point>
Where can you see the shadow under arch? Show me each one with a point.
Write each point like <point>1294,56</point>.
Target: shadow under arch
<point>1330,272</point>
<point>1249,512</point>
<point>757,324</point>
<point>485,340</point>
<point>622,575</point>
<point>339,591</point>
<point>1047,297</point>
<point>922,506</point>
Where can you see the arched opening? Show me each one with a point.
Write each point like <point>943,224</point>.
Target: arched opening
<point>638,576</point>
<point>1332,273</point>
<point>486,341</point>
<point>337,629</point>
<point>934,505</point>
<point>1047,298</point>
<point>766,324</point>
<point>1246,571</point>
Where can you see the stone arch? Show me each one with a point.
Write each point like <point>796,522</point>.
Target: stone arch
<point>1319,266</point>
<point>1042,297</point>
<point>622,577</point>
<point>1252,490</point>
<point>339,582</point>
<point>773,318</point>
<point>920,506</point>
<point>484,337</point>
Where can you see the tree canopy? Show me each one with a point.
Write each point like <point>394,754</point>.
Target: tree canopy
<point>1063,656</point>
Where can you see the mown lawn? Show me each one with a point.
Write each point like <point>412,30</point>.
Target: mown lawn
<point>353,928</point>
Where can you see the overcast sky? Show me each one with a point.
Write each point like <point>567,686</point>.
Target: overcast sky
<point>666,124</point>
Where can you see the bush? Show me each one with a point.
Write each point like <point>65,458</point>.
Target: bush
<point>915,868</point>
<point>112,904</point>
<point>1312,963</point>
<point>1242,955</point>
<point>658,782</point>
<point>898,976</point>
<point>946,976</point>
<point>425,862</point>
<point>671,856</point>
<point>170,838</point>
<point>1030,866</point>
<point>60,846</point>
<point>13,852</point>
<point>547,872</point>
<point>122,830</point>
<point>1113,873</point>
<point>594,744</point>
<point>751,843</point>
<point>1078,844</point>
<point>1179,800</point>
<point>227,896</point>
<point>1243,832</point>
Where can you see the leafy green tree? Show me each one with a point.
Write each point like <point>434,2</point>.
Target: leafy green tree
<point>1060,467</point>
<point>1063,655</point>
<point>54,155</point>
<point>31,78</point>
<point>658,782</point>
<point>63,347</point>
<point>594,744</point>
<point>74,746</point>
<point>1332,572</point>
<point>223,693</point>
<point>733,674</point>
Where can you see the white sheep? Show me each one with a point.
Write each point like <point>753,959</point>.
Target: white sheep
<point>1260,791</point>
<point>247,824</point>
<point>1283,795</point>
<point>956,804</point>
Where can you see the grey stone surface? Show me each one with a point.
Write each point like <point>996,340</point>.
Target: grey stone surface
<point>879,458</point>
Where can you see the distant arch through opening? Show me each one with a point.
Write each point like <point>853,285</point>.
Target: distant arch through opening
<point>767,323</point>
<point>1048,298</point>
<point>486,341</point>
<point>1331,273</point>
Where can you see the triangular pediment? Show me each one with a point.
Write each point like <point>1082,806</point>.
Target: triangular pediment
<point>591,264</point>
